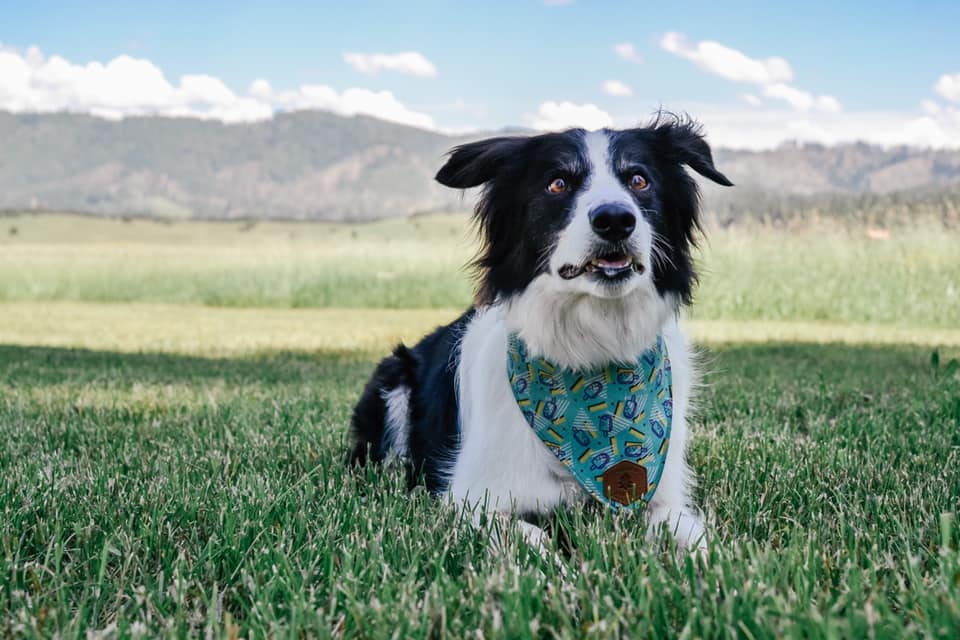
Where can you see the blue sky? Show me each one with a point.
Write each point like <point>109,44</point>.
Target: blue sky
<point>497,64</point>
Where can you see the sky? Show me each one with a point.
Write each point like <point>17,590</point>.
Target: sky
<point>755,74</point>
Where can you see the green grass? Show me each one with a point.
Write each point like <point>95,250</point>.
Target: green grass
<point>823,274</point>
<point>166,493</point>
<point>413,263</point>
<point>171,464</point>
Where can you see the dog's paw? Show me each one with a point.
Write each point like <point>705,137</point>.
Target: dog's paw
<point>686,528</point>
<point>502,536</point>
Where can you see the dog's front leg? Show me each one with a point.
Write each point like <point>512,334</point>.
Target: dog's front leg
<point>672,505</point>
<point>683,523</point>
<point>497,525</point>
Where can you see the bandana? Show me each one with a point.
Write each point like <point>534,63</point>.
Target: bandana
<point>610,426</point>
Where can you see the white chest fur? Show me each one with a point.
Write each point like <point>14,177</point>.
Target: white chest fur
<point>502,464</point>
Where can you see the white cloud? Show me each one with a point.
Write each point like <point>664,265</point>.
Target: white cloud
<point>617,88</point>
<point>563,115</point>
<point>351,102</point>
<point>206,89</point>
<point>827,103</point>
<point>728,63</point>
<point>948,86</point>
<point>32,83</point>
<point>801,100</point>
<point>409,62</point>
<point>773,74</point>
<point>930,107</point>
<point>127,86</point>
<point>749,128</point>
<point>628,52</point>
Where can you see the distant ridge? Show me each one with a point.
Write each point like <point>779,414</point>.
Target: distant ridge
<point>321,166</point>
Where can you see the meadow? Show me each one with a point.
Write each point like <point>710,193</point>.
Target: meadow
<point>174,401</point>
<point>824,273</point>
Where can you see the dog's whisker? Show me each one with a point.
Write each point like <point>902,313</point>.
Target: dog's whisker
<point>659,252</point>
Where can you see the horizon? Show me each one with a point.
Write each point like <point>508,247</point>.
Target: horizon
<point>556,63</point>
<point>784,144</point>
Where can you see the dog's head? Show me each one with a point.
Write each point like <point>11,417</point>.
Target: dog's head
<point>603,213</point>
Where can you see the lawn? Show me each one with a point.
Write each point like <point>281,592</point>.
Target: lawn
<point>171,467</point>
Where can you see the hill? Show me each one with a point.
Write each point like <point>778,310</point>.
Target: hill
<point>320,166</point>
<point>304,165</point>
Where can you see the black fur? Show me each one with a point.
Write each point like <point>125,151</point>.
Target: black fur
<point>518,219</point>
<point>428,371</point>
<point>369,416</point>
<point>672,203</point>
<point>519,222</point>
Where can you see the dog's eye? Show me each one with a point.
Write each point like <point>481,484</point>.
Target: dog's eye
<point>638,182</point>
<point>559,185</point>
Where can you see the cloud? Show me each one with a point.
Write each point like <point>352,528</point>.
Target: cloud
<point>827,103</point>
<point>351,102</point>
<point>409,62</point>
<point>127,86</point>
<point>930,107</point>
<point>757,129</point>
<point>751,99</point>
<point>563,115</point>
<point>628,52</point>
<point>801,100</point>
<point>948,86</point>
<point>728,63</point>
<point>617,88</point>
<point>773,74</point>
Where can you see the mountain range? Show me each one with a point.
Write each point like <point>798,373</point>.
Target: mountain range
<point>322,166</point>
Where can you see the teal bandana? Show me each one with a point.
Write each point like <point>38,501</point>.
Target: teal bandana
<point>610,426</point>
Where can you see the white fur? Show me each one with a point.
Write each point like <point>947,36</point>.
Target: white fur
<point>580,331</point>
<point>397,423</point>
<point>577,242</point>
<point>583,323</point>
<point>502,465</point>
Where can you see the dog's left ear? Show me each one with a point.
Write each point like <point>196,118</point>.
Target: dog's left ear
<point>470,165</point>
<point>683,140</point>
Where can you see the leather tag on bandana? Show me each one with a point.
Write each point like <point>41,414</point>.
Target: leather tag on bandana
<point>625,482</point>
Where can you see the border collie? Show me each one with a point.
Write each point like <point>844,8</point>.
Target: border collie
<point>586,259</point>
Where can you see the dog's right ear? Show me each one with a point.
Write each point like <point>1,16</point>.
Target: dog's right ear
<point>474,163</point>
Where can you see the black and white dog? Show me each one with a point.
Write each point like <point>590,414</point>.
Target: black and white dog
<point>586,256</point>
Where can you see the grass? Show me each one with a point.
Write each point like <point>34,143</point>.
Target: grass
<point>159,492</point>
<point>175,469</point>
<point>911,279</point>
<point>399,264</point>
<point>215,331</point>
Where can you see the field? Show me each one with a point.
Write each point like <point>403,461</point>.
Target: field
<point>173,410</point>
<point>821,274</point>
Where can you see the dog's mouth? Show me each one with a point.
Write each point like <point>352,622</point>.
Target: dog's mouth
<point>608,266</point>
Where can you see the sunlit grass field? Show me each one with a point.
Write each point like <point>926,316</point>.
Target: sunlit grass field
<point>173,410</point>
<point>826,273</point>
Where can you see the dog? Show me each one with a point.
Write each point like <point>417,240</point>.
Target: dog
<point>585,260</point>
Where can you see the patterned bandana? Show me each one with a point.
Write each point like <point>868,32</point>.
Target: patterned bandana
<point>610,426</point>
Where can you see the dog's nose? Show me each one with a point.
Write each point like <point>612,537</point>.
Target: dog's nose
<point>613,222</point>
